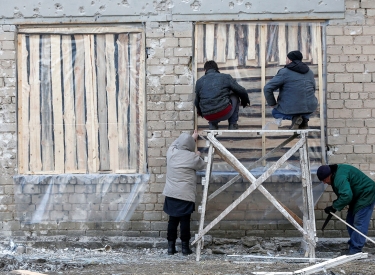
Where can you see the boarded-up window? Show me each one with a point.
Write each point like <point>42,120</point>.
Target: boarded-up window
<point>81,106</point>
<point>253,53</point>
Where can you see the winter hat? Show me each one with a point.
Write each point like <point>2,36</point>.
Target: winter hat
<point>323,172</point>
<point>295,55</point>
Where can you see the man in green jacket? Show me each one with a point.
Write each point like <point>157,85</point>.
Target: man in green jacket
<point>352,187</point>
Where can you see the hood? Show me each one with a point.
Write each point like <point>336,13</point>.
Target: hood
<point>298,66</point>
<point>185,142</point>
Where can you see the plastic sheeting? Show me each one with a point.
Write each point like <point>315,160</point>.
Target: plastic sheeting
<point>252,53</point>
<point>78,198</point>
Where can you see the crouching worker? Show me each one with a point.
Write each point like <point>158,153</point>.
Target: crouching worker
<point>218,97</point>
<point>180,189</point>
<point>352,187</point>
<point>296,84</point>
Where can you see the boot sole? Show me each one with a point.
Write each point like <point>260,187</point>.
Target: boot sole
<point>297,123</point>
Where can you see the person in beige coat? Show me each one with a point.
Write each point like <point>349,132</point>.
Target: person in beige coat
<point>180,189</point>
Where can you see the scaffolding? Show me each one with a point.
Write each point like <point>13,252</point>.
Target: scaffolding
<point>306,226</point>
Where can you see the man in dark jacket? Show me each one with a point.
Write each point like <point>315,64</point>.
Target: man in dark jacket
<point>296,84</point>
<point>352,187</point>
<point>217,97</point>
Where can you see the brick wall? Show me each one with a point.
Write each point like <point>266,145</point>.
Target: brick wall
<point>8,137</point>
<point>350,97</point>
<point>170,111</point>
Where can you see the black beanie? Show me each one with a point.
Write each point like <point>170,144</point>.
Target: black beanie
<point>295,55</point>
<point>323,172</point>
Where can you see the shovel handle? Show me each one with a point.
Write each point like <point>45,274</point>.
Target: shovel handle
<point>353,228</point>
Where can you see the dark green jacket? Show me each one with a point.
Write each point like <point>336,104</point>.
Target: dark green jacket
<point>352,188</point>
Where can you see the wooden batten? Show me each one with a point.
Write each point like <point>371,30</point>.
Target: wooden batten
<point>46,105</point>
<point>112,101</point>
<point>142,105</point>
<point>209,41</point>
<point>103,110</point>
<point>69,112</point>
<point>199,36</point>
<point>80,107</point>
<point>134,88</point>
<point>23,108</point>
<point>123,100</point>
<point>34,124</point>
<point>58,129</point>
<point>282,44</point>
<point>231,54</point>
<point>221,43</point>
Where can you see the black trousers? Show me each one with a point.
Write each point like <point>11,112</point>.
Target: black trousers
<point>173,223</point>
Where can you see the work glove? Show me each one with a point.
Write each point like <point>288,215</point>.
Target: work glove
<point>329,209</point>
<point>245,102</point>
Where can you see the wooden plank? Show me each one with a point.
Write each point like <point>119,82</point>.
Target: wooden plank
<point>282,44</point>
<point>80,106</point>
<point>92,142</point>
<point>69,112</point>
<point>103,110</point>
<point>142,164</point>
<point>256,183</point>
<point>34,124</point>
<point>25,272</point>
<point>123,100</point>
<point>330,263</point>
<point>210,155</point>
<point>321,97</point>
<point>58,127</point>
<point>134,88</point>
<point>263,40</point>
<point>304,42</point>
<point>241,41</point>
<point>81,30</point>
<point>94,106</point>
<point>46,107</point>
<point>209,41</point>
<point>315,38</point>
<point>111,99</point>
<point>221,43</point>
<point>23,106</point>
<point>251,42</point>
<point>292,37</point>
<point>199,36</point>
<point>231,37</point>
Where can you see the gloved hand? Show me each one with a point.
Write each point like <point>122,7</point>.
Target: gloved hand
<point>329,209</point>
<point>245,102</point>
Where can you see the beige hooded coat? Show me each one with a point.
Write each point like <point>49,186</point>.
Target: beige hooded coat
<point>182,164</point>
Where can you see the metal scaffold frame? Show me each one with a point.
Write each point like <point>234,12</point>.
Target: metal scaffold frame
<point>306,227</point>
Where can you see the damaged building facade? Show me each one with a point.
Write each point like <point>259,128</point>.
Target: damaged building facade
<point>93,94</point>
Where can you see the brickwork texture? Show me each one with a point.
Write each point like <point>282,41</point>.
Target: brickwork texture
<point>350,79</point>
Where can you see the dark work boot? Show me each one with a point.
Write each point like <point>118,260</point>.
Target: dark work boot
<point>296,122</point>
<point>185,248</point>
<point>233,126</point>
<point>213,125</point>
<point>171,247</point>
<point>304,124</point>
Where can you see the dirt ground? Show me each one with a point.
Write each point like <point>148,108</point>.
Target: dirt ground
<point>219,257</point>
